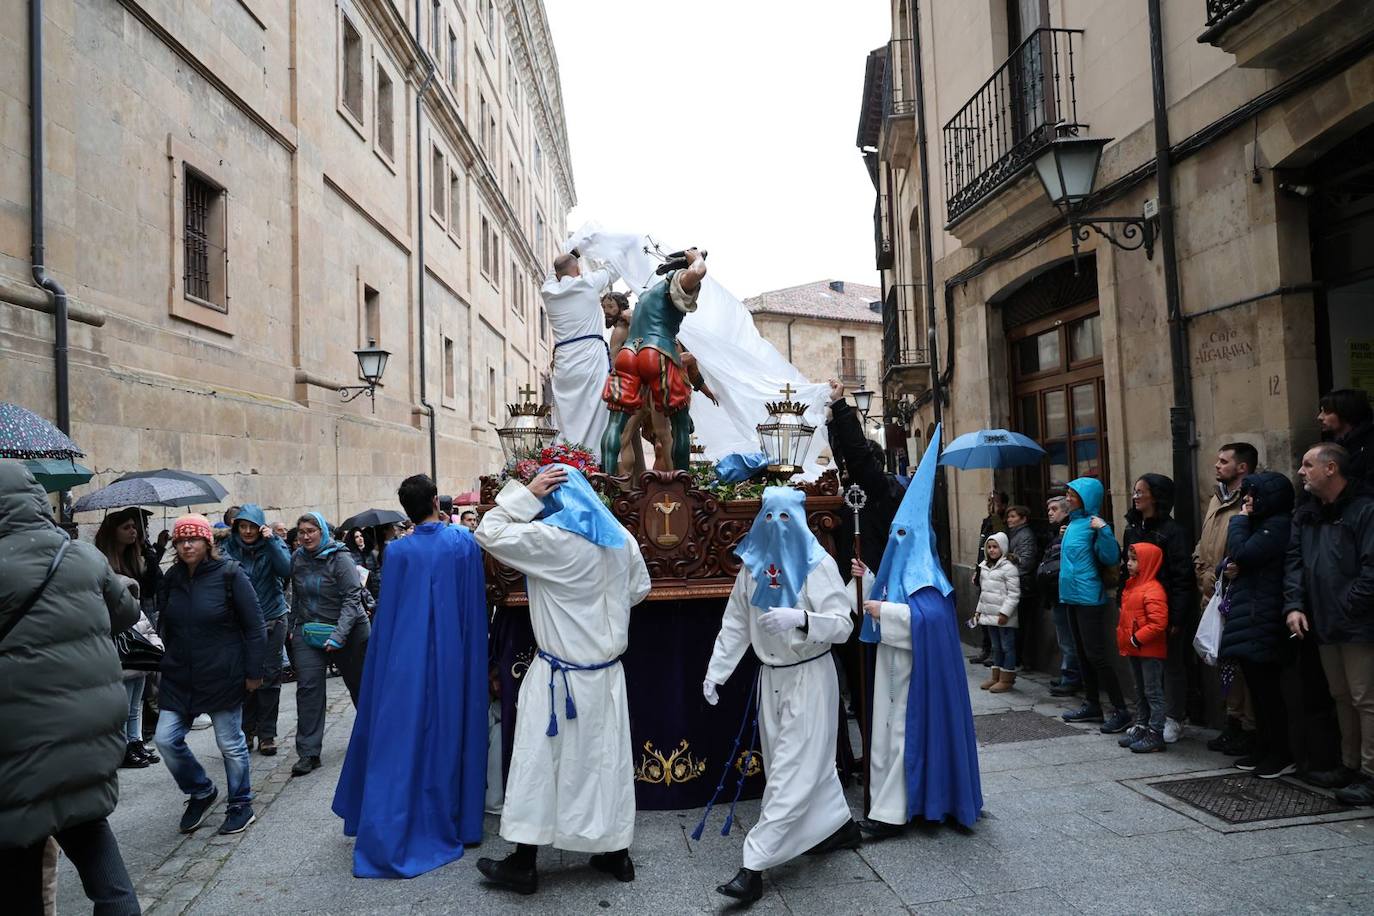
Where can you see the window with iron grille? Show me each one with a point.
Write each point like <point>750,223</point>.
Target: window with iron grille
<point>203,262</point>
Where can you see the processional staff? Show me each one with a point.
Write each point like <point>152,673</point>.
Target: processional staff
<point>856,499</point>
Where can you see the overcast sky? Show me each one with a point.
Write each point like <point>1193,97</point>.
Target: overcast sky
<point>728,125</point>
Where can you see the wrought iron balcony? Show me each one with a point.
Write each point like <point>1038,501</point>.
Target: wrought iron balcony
<point>851,371</point>
<point>1223,13</point>
<point>899,91</point>
<point>902,339</point>
<point>1024,105</point>
<point>882,232</point>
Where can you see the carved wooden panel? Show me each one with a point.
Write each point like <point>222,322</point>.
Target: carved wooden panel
<point>686,534</point>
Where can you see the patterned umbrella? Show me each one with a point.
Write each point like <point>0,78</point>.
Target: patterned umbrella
<point>57,474</point>
<point>212,488</point>
<point>145,491</point>
<point>24,434</point>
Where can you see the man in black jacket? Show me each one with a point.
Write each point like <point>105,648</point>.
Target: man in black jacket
<point>1347,419</point>
<point>1150,519</point>
<point>1329,594</point>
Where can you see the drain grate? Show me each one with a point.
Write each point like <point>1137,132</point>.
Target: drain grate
<point>1020,725</point>
<point>1239,798</point>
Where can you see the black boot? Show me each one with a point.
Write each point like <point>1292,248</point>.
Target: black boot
<point>878,830</point>
<point>134,757</point>
<point>847,837</point>
<point>149,752</point>
<point>305,765</point>
<point>515,872</point>
<point>747,886</point>
<point>617,864</point>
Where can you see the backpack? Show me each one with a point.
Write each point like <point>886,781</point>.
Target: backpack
<point>1111,574</point>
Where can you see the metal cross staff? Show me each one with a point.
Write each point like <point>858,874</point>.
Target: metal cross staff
<point>855,498</point>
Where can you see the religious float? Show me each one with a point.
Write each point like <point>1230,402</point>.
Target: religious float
<point>687,523</point>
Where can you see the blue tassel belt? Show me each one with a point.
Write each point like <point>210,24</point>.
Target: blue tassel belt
<point>556,666</point>
<point>751,716</point>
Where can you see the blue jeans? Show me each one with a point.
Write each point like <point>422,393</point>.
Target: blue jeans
<point>1149,692</point>
<point>1003,647</point>
<point>186,769</point>
<point>133,725</point>
<point>1068,652</point>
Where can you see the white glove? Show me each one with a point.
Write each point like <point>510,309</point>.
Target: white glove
<point>708,690</point>
<point>781,619</point>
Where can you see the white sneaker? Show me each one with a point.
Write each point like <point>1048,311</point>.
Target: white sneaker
<point>201,721</point>
<point>1173,730</point>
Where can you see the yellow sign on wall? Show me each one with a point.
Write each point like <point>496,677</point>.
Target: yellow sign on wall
<point>1362,363</point>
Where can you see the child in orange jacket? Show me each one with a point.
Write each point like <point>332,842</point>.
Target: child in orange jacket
<point>1141,634</point>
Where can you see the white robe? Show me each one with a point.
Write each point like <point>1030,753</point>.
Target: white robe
<point>575,789</point>
<point>579,369</point>
<point>891,681</point>
<point>799,709</point>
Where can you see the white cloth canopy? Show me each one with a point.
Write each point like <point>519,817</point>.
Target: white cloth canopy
<point>743,369</point>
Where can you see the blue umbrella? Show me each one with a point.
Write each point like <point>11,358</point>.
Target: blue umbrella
<point>992,448</point>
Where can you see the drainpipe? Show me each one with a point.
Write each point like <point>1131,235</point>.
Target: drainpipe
<point>789,340</point>
<point>37,254</point>
<point>1181,413</point>
<point>420,241</point>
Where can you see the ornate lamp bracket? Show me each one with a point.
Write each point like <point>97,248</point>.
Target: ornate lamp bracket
<point>1129,233</point>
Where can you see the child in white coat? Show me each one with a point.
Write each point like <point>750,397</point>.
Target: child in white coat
<point>1000,589</point>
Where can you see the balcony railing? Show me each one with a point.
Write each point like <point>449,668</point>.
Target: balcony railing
<point>850,371</point>
<point>901,340</point>
<point>882,232</point>
<point>1024,105</point>
<point>1228,12</point>
<point>899,92</point>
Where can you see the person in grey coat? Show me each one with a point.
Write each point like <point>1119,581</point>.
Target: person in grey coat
<point>62,703</point>
<point>325,589</point>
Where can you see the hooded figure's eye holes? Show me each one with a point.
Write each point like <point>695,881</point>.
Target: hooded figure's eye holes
<point>768,517</point>
<point>784,516</point>
<point>901,532</point>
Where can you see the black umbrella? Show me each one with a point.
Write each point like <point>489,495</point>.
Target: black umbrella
<point>146,491</point>
<point>371,518</point>
<point>210,488</point>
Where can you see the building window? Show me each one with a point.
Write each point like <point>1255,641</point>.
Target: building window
<point>455,198</point>
<point>483,115</point>
<point>512,82</point>
<point>543,324</point>
<point>386,117</point>
<point>495,259</point>
<point>436,32</point>
<point>492,394</point>
<point>438,185</point>
<point>453,59</point>
<point>203,253</point>
<point>538,160</point>
<point>486,10</point>
<point>484,244</point>
<point>351,70</point>
<point>372,315</point>
<point>517,292</point>
<point>538,234</point>
<point>849,361</point>
<point>450,386</point>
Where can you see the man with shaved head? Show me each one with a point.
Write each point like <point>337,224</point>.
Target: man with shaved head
<point>581,359</point>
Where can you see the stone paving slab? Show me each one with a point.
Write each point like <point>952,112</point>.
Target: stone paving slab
<point>1070,826</point>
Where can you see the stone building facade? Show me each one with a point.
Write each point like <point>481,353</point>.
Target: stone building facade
<point>827,329</point>
<point>1268,107</point>
<point>236,194</point>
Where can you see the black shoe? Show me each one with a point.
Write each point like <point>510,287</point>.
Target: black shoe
<point>878,830</point>
<point>237,819</point>
<point>1088,712</point>
<point>1066,689</point>
<point>1118,723</point>
<point>747,885</point>
<point>1241,745</point>
<point>1227,734</point>
<point>512,877</point>
<point>196,810</point>
<point>305,765</point>
<point>616,864</point>
<point>1274,767</point>
<point>1338,778</point>
<point>149,753</point>
<point>847,837</point>
<point>134,757</point>
<point>1357,793</point>
<point>1249,763</point>
<point>1131,735</point>
<point>1152,742</point>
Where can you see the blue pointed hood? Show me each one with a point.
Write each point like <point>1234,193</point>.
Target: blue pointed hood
<point>779,551</point>
<point>575,507</point>
<point>910,562</point>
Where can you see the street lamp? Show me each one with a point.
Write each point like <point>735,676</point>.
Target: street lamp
<point>863,400</point>
<point>371,364</point>
<point>786,437</point>
<point>1067,169</point>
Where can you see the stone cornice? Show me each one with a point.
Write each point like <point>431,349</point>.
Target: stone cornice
<point>527,22</point>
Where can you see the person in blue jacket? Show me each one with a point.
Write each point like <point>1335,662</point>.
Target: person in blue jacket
<point>267,562</point>
<point>1088,546</point>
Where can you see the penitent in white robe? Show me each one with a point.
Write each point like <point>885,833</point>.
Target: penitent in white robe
<point>580,366</point>
<point>799,709</point>
<point>575,789</point>
<point>891,681</point>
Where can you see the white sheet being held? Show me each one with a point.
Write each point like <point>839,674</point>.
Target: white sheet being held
<point>799,707</point>
<point>574,790</point>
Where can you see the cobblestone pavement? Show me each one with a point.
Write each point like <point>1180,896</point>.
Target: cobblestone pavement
<point>1071,825</point>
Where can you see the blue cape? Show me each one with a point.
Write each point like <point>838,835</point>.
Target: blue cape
<point>780,552</point>
<point>940,757</point>
<point>737,468</point>
<point>575,507</point>
<point>414,778</point>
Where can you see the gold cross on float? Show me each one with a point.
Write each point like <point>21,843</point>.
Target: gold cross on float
<point>665,506</point>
